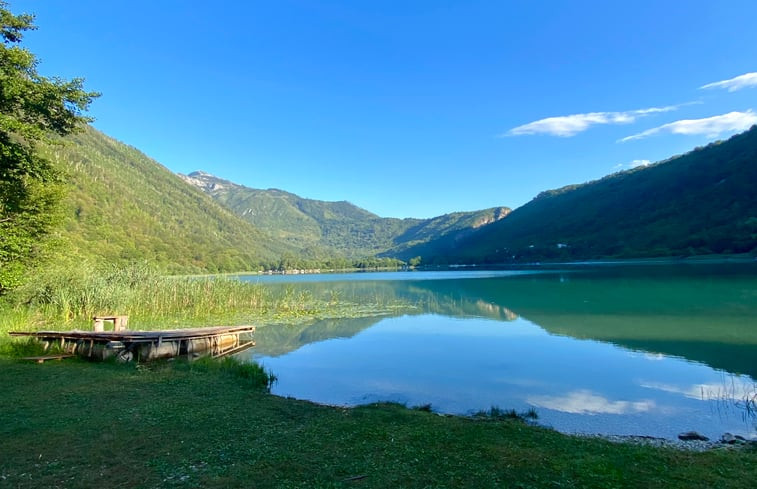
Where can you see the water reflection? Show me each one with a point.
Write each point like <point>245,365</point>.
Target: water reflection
<point>704,313</point>
<point>614,352</point>
<point>586,402</point>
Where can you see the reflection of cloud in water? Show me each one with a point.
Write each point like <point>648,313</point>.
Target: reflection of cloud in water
<point>510,315</point>
<point>586,402</point>
<point>652,357</point>
<point>655,357</point>
<point>731,388</point>
<point>495,309</point>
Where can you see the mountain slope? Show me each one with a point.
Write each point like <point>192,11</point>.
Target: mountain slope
<point>698,203</point>
<point>122,205</point>
<point>337,227</point>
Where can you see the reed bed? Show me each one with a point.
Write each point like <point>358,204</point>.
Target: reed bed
<point>69,297</point>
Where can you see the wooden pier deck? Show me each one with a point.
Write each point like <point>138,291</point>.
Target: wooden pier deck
<point>127,345</point>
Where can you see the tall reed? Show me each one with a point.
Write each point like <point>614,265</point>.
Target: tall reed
<point>69,296</point>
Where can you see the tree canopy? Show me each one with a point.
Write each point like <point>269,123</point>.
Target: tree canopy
<point>33,109</point>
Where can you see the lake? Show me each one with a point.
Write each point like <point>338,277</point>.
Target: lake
<point>632,350</point>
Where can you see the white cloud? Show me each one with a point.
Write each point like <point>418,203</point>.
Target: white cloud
<point>586,402</point>
<point>570,125</point>
<point>633,164</point>
<point>737,83</point>
<point>709,126</point>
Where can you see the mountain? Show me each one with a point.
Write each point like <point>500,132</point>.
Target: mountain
<point>122,206</point>
<point>337,227</point>
<point>702,202</point>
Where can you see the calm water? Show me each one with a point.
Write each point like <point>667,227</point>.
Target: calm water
<point>645,350</point>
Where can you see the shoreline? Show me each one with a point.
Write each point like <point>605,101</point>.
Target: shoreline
<point>284,442</point>
<point>644,261</point>
<point>683,445</point>
<point>691,445</point>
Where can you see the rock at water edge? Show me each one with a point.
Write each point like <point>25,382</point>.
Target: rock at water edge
<point>692,436</point>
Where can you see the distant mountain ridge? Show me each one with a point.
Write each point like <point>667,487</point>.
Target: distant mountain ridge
<point>337,227</point>
<point>702,202</point>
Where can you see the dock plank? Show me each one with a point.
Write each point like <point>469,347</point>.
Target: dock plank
<point>138,336</point>
<point>44,358</point>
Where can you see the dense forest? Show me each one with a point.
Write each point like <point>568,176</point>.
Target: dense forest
<point>702,202</point>
<point>122,206</point>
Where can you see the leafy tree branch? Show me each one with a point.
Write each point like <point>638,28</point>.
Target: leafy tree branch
<point>33,109</point>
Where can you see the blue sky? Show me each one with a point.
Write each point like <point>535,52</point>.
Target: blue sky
<point>408,109</point>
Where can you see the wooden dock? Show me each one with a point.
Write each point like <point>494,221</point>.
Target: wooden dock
<point>126,345</point>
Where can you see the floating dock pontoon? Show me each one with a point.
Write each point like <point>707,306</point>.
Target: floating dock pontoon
<point>144,346</point>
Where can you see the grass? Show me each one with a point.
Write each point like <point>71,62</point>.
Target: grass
<point>76,424</point>
<point>213,423</point>
<point>72,296</point>
<point>249,373</point>
<point>67,297</point>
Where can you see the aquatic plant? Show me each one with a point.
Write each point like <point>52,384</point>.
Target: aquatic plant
<point>496,413</point>
<point>251,373</point>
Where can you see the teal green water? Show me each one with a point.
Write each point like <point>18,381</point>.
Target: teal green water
<point>651,350</point>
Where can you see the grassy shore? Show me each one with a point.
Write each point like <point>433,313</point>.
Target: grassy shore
<point>68,297</point>
<point>207,424</point>
<point>76,424</point>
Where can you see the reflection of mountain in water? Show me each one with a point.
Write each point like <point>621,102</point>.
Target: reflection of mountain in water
<point>702,317</point>
<point>278,339</point>
<point>699,313</point>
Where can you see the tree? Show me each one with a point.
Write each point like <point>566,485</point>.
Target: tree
<point>34,110</point>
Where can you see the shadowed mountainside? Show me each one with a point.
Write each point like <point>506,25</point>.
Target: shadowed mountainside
<point>702,202</point>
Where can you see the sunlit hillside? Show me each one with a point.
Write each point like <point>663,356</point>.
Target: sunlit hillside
<point>122,206</point>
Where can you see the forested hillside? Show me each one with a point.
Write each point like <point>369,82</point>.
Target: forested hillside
<point>341,228</point>
<point>121,205</point>
<point>702,202</point>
